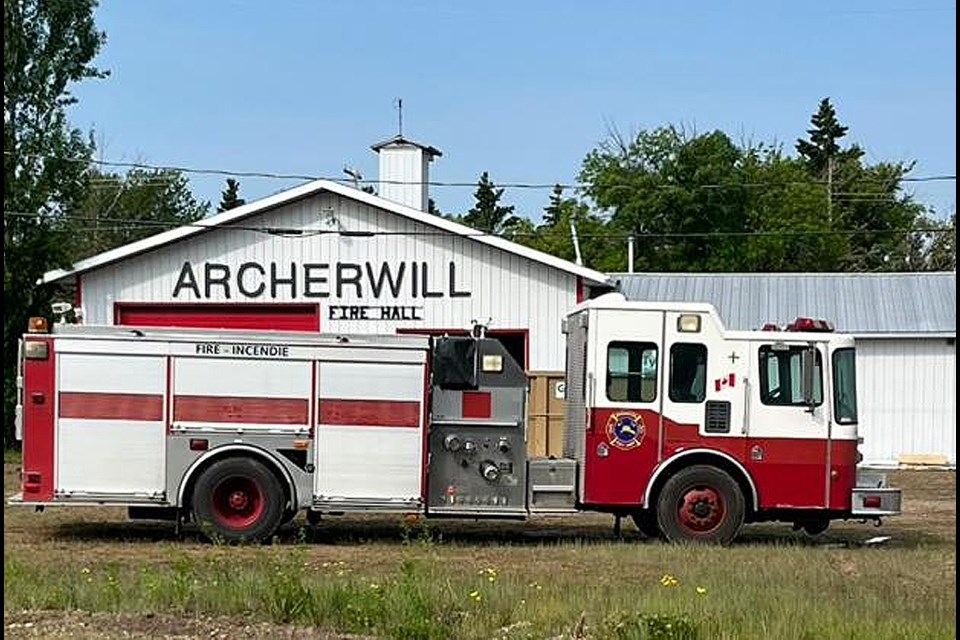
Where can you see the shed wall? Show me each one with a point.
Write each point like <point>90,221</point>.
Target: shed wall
<point>908,398</point>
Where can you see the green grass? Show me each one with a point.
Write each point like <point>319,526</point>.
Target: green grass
<point>616,590</point>
<point>12,457</point>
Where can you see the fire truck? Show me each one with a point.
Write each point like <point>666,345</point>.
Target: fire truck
<point>688,428</point>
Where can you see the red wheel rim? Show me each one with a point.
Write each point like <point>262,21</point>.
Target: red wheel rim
<point>701,510</point>
<point>238,502</point>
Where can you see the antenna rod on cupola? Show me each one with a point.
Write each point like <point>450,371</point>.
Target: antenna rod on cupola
<point>400,117</point>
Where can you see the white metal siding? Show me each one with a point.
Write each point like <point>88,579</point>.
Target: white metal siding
<point>403,171</point>
<point>907,398</point>
<point>515,292</point>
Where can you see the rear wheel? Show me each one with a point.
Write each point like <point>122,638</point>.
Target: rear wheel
<point>238,500</point>
<point>815,526</point>
<point>701,504</point>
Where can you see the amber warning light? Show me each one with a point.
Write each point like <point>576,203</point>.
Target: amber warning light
<point>37,325</point>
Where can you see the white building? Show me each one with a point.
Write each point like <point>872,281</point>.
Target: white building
<point>906,330</point>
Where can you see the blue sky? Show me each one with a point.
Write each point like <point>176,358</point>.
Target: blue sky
<point>522,90</point>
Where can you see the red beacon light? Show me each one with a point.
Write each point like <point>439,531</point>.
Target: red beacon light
<point>802,324</point>
<point>810,325</point>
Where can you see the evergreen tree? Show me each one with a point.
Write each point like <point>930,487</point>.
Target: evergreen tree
<point>230,196</point>
<point>48,45</point>
<point>487,214</point>
<point>551,213</point>
<point>823,147</point>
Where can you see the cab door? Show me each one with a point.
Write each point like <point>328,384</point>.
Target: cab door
<point>787,437</point>
<point>705,386</point>
<point>624,405</point>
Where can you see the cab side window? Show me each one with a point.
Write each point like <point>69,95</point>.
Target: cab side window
<point>781,376</point>
<point>688,372</point>
<point>632,371</point>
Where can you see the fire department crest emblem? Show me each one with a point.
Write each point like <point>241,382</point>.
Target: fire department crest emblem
<point>625,431</point>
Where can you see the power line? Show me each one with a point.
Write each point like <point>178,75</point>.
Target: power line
<point>471,184</point>
<point>136,224</point>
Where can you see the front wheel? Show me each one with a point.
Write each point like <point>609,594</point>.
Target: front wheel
<point>701,504</point>
<point>238,500</point>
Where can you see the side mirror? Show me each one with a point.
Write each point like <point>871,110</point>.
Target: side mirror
<point>808,367</point>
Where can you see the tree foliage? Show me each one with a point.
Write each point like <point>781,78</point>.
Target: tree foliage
<point>700,202</point>
<point>554,234</point>
<point>47,46</point>
<point>119,209</point>
<point>230,196</point>
<point>487,214</point>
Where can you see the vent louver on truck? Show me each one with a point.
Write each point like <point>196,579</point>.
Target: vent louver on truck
<point>718,417</point>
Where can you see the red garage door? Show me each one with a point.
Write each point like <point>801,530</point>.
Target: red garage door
<point>280,317</point>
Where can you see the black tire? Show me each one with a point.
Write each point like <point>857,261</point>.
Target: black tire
<point>646,521</point>
<point>701,504</point>
<point>814,527</point>
<point>238,500</point>
<point>288,516</point>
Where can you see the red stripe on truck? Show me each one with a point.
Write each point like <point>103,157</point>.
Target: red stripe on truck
<point>370,413</point>
<point>111,406</point>
<point>240,410</point>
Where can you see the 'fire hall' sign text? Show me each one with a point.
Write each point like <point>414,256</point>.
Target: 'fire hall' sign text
<point>292,281</point>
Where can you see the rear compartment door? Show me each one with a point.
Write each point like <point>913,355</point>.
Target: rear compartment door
<point>370,430</point>
<point>110,425</point>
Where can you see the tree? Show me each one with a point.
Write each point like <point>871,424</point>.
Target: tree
<point>866,201</point>
<point>554,234</point>
<point>823,147</point>
<point>553,211</point>
<point>703,203</point>
<point>487,214</point>
<point>47,46</point>
<point>682,196</point>
<point>942,254</point>
<point>230,196</point>
<point>120,209</point>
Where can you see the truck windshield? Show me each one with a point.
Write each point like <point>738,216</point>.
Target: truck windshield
<point>845,386</point>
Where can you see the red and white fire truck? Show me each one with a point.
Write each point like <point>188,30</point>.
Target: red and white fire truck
<point>690,429</point>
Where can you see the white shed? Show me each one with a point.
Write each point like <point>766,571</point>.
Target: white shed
<point>906,329</point>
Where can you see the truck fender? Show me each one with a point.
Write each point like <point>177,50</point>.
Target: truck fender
<point>233,449</point>
<point>668,466</point>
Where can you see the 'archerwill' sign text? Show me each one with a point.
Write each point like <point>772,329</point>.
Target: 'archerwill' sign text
<point>292,281</point>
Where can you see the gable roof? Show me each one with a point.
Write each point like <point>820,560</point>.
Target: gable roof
<point>863,304</point>
<point>306,190</point>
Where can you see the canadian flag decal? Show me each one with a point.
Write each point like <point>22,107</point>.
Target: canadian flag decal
<point>729,381</point>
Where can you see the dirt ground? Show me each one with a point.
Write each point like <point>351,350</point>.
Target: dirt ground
<point>82,534</point>
<point>100,626</point>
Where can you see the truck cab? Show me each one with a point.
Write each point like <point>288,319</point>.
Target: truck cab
<point>695,430</point>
